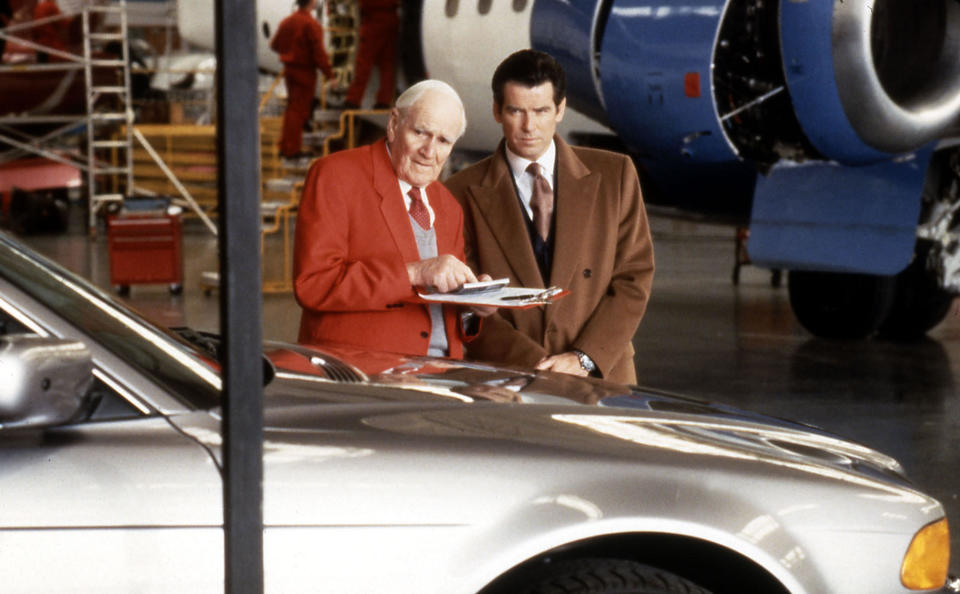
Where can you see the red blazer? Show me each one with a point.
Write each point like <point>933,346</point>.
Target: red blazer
<point>352,243</point>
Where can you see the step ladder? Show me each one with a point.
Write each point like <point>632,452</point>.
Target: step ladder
<point>109,120</point>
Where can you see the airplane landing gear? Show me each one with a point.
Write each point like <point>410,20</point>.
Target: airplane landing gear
<point>840,305</point>
<point>852,306</point>
<point>920,302</point>
<point>901,307</point>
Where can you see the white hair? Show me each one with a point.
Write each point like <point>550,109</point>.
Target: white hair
<point>409,98</point>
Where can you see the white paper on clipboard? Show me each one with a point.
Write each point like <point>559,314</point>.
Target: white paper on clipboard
<point>509,297</point>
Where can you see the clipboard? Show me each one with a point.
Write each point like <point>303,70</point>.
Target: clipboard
<point>497,294</point>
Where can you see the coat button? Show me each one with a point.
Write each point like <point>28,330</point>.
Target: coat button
<point>587,273</point>
<point>424,335</point>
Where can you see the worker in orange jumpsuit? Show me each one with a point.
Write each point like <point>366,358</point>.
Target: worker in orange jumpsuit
<point>299,41</point>
<point>50,34</point>
<point>379,27</point>
<point>6,15</point>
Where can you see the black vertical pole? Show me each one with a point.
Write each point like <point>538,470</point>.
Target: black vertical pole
<point>238,184</point>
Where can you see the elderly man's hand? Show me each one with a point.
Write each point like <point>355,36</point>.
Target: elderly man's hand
<point>444,273</point>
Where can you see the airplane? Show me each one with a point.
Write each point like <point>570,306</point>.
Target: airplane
<point>830,128</point>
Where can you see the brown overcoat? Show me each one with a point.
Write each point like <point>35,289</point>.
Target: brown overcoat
<point>603,255</point>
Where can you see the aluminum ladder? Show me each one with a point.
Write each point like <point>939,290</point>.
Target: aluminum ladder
<point>109,119</point>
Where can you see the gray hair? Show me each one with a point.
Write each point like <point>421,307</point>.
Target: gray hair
<point>409,98</point>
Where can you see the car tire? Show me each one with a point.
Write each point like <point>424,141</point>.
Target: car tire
<point>607,576</point>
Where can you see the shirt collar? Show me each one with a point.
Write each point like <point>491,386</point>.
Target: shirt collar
<point>518,165</point>
<point>405,187</point>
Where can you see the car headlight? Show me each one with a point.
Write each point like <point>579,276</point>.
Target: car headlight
<point>925,564</point>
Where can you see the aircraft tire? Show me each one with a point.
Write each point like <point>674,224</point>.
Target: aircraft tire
<point>919,303</point>
<point>840,305</point>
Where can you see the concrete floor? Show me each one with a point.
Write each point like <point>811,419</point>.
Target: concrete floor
<point>741,345</point>
<point>702,336</point>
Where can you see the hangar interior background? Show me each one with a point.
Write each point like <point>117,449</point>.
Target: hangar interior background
<point>703,335</point>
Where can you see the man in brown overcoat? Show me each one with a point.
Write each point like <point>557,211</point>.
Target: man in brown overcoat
<point>576,220</point>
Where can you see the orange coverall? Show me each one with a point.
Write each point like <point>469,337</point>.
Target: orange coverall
<point>50,34</point>
<point>379,27</point>
<point>299,41</point>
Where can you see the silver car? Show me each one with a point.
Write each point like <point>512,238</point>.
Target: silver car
<point>395,474</point>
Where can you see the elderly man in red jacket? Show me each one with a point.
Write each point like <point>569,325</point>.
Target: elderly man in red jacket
<point>374,223</point>
<point>299,41</point>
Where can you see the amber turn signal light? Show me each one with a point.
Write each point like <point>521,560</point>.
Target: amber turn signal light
<point>926,563</point>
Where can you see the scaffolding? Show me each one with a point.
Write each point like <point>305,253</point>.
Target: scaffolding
<point>104,118</point>
<point>103,59</point>
<point>100,138</point>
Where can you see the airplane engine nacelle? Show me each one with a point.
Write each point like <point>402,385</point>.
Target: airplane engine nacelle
<point>718,81</point>
<point>881,75</point>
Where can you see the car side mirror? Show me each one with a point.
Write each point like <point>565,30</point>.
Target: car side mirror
<point>46,381</point>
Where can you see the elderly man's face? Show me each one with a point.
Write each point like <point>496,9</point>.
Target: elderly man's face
<point>421,141</point>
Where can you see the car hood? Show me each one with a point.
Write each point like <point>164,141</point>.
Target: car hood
<point>429,397</point>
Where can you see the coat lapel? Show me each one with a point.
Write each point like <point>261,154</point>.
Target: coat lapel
<point>496,199</point>
<point>391,203</point>
<point>576,195</point>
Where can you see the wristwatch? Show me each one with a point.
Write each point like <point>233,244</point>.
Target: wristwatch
<point>586,363</point>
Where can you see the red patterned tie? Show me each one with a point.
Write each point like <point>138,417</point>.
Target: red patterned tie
<point>541,202</point>
<point>418,210</point>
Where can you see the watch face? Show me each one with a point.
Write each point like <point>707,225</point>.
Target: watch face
<point>585,362</point>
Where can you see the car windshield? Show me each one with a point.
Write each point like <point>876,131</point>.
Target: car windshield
<point>170,361</point>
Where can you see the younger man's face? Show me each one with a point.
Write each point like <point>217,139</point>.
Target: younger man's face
<point>529,118</point>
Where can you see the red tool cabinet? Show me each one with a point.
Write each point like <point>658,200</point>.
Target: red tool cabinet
<point>145,248</point>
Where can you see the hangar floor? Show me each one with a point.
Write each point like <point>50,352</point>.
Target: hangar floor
<point>702,336</point>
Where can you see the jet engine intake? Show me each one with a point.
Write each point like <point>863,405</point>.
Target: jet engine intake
<point>872,78</point>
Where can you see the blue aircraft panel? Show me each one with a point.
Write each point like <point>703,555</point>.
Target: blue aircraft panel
<point>825,216</point>
<point>655,72</point>
<point>563,29</point>
<point>808,59</point>
<point>649,50</point>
